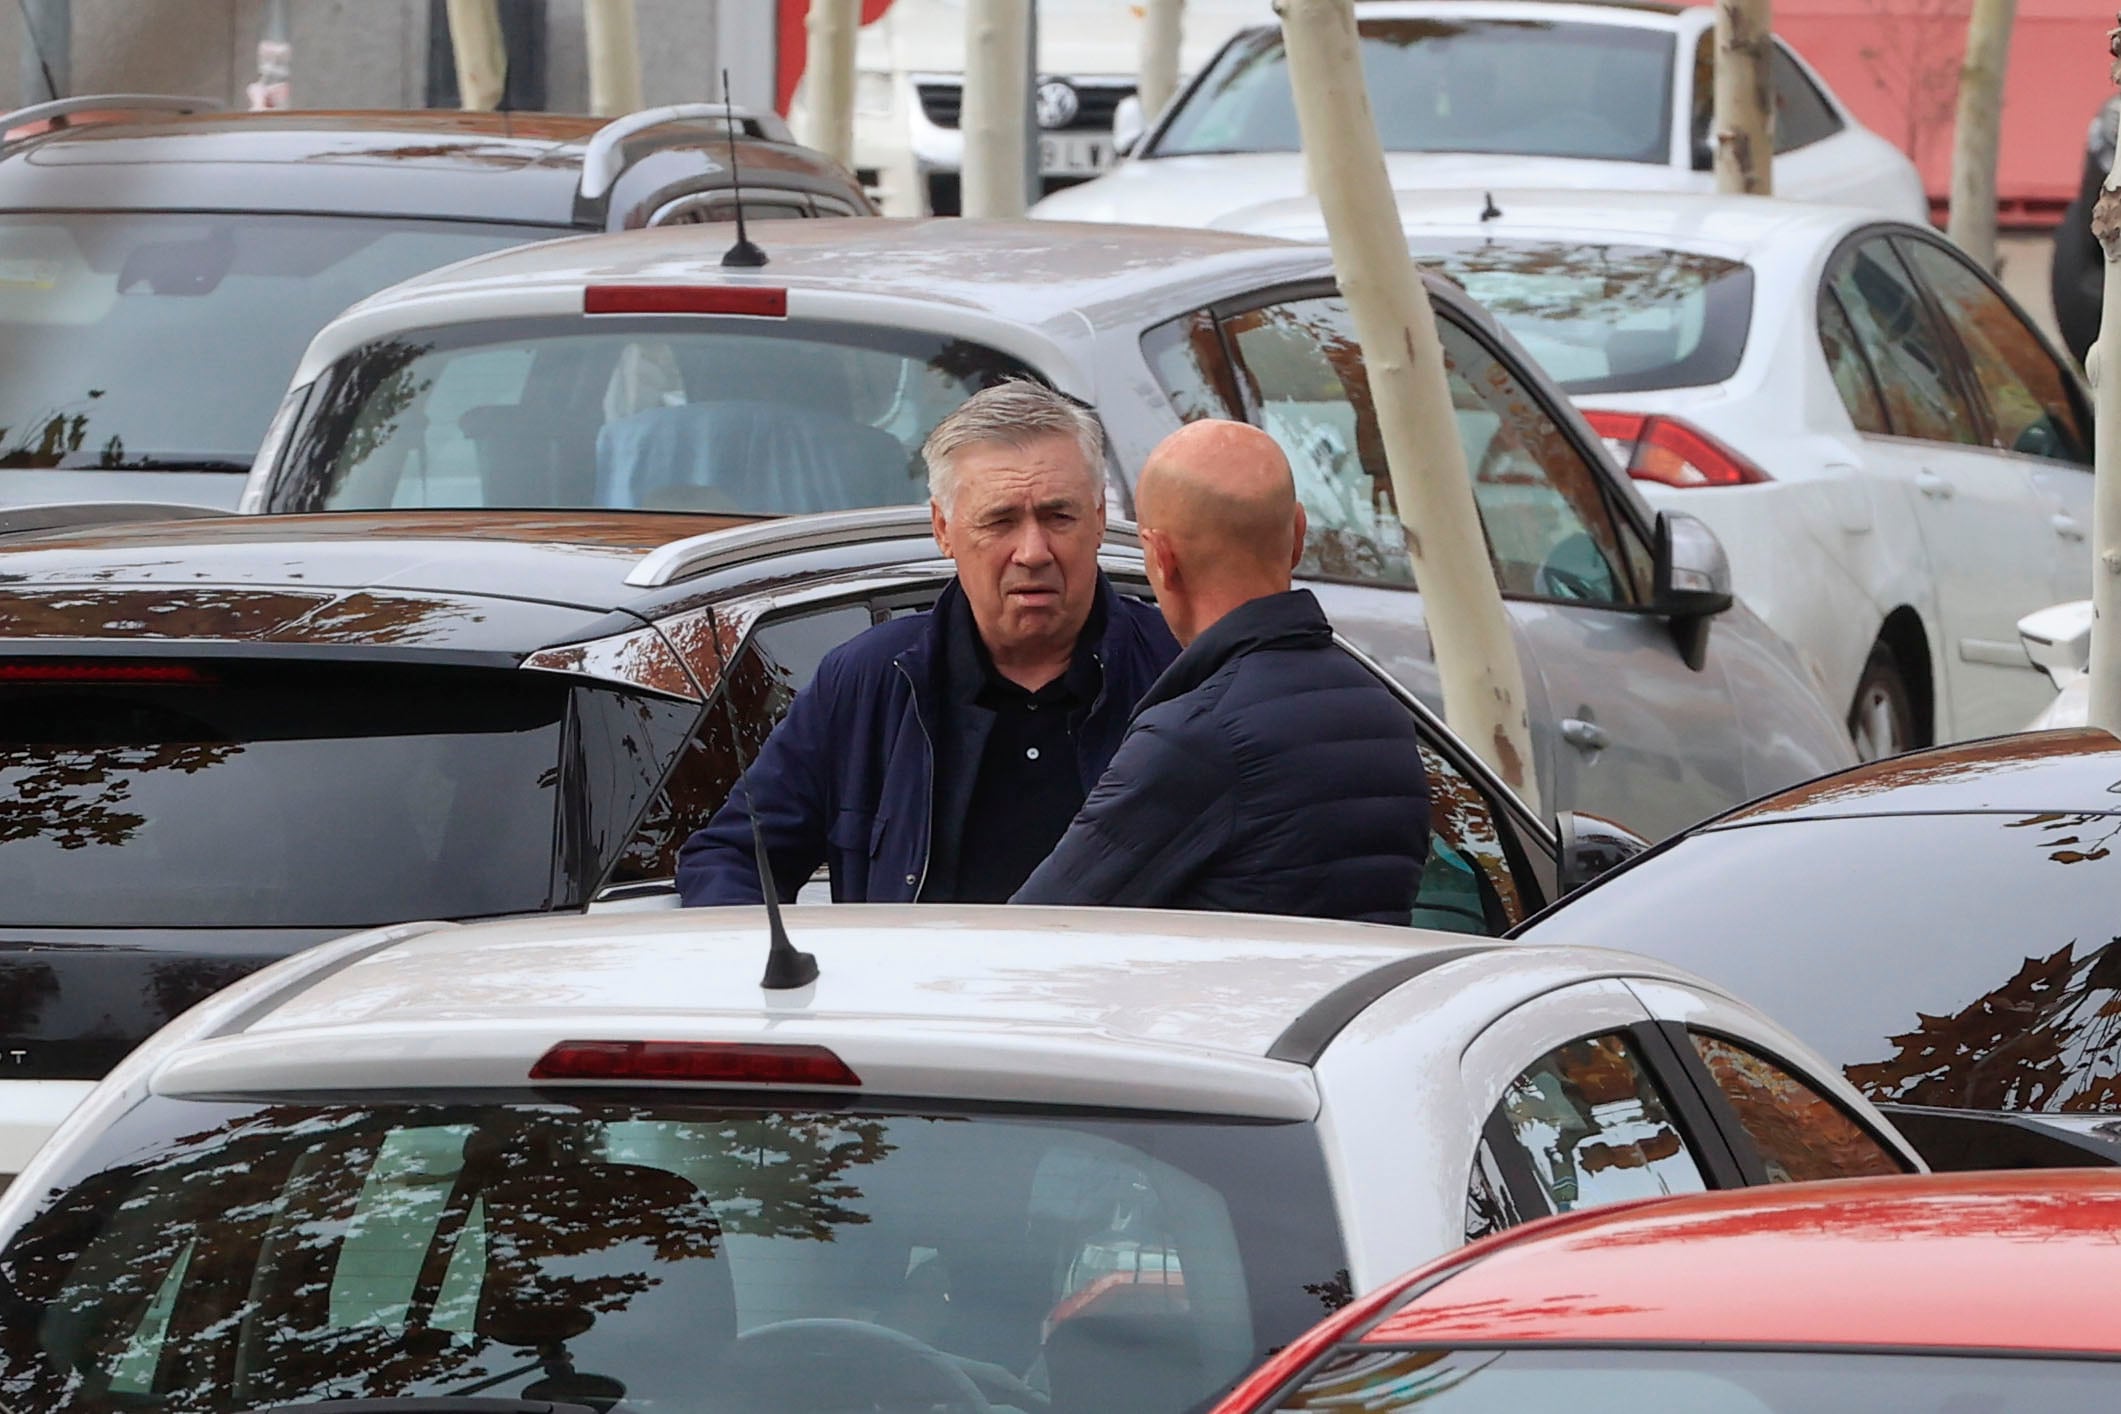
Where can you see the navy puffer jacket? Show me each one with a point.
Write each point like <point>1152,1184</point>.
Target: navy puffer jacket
<point>1266,772</point>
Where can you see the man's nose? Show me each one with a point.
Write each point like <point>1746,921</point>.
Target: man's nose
<point>1032,546</point>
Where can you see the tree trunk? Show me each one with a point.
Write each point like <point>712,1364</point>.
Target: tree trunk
<point>2104,365</point>
<point>1476,653</point>
<point>828,78</point>
<point>481,53</point>
<point>1979,129</point>
<point>614,56</point>
<point>994,111</point>
<point>1745,112</point>
<point>1161,28</point>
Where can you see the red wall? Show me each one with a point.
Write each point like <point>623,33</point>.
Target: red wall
<point>788,59</point>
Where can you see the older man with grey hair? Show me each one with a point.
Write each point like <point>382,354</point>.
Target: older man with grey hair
<point>940,756</point>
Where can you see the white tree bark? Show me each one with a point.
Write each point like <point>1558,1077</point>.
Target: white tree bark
<point>992,116</point>
<point>482,57</point>
<point>614,43</point>
<point>2104,365</point>
<point>1161,33</point>
<point>1978,130</point>
<point>1744,103</point>
<point>828,78</point>
<point>1469,630</point>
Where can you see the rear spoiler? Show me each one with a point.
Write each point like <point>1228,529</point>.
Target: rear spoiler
<point>66,515</point>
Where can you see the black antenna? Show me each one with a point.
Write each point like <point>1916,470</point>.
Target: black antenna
<point>743,255</point>
<point>787,968</point>
<point>1490,212</point>
<point>51,85</point>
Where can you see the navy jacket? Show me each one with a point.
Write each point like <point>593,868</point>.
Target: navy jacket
<point>1266,772</point>
<point>848,777</point>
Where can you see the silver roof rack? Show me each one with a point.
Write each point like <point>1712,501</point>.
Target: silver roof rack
<point>722,549</point>
<point>104,102</point>
<point>603,161</point>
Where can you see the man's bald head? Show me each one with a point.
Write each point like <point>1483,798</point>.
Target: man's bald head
<point>1218,509</point>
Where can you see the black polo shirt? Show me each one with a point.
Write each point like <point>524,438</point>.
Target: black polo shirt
<point>1019,750</point>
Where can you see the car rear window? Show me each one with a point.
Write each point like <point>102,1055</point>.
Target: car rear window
<point>159,339</point>
<point>669,1255</point>
<point>746,415</point>
<point>1609,318</point>
<point>230,794</point>
<point>1527,87</point>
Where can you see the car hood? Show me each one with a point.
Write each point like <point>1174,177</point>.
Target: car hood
<point>1219,189</point>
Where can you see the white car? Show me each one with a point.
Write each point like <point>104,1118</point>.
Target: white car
<point>1895,456</point>
<point>1046,1160</point>
<point>910,80</point>
<point>1497,93</point>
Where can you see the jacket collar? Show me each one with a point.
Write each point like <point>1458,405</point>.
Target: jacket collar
<point>1291,619</point>
<point>927,660</point>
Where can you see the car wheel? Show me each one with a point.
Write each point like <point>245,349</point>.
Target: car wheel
<point>1882,718</point>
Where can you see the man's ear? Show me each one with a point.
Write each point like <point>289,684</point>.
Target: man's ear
<point>941,525</point>
<point>1158,561</point>
<point>1303,533</point>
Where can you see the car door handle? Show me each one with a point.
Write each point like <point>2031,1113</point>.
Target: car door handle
<point>1583,735</point>
<point>1930,484</point>
<point>2068,527</point>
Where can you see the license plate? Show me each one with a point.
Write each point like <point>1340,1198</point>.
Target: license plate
<point>1070,156</point>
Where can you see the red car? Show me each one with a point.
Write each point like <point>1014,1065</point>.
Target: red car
<point>1986,1294</point>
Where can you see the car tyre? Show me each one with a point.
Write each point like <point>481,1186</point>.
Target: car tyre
<point>1882,716</point>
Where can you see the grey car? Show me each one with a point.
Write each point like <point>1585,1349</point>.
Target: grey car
<point>634,372</point>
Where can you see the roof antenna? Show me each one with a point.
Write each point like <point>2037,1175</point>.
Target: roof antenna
<point>787,968</point>
<point>743,255</point>
<point>1490,212</point>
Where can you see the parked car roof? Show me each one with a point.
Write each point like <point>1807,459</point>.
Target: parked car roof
<point>1877,1263</point>
<point>2074,771</point>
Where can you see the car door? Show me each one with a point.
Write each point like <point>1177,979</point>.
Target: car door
<point>2033,409</point>
<point>1621,726</point>
<point>1986,533</point>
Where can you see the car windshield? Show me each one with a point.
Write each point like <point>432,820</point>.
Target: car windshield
<point>1490,1381</point>
<point>230,795</point>
<point>1528,87</point>
<point>1609,318</point>
<point>672,1255</point>
<point>758,416</point>
<point>152,340</point>
<point>1946,924</point>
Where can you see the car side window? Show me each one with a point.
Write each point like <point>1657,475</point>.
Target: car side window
<point>765,673</point>
<point>1468,884</point>
<point>1490,1207</point>
<point>1549,532</point>
<point>1894,329</point>
<point>2028,394</point>
<point>1851,370</point>
<point>1586,1125</point>
<point>1802,114</point>
<point>1799,1133</point>
<point>1186,358</point>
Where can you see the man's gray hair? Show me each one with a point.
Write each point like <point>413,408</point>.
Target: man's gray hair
<point>1012,414</point>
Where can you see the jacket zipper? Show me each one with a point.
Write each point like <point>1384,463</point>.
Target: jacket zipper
<point>928,831</point>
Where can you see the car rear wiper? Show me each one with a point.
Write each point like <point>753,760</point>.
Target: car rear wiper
<point>428,1404</point>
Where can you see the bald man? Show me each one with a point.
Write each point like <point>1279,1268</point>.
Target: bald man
<point>1266,771</point>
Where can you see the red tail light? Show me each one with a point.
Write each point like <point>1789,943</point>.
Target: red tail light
<point>19,671</point>
<point>1670,452</point>
<point>723,1062</point>
<point>765,303</point>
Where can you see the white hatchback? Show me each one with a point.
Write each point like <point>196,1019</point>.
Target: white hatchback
<point>1044,1160</point>
<point>1503,93</point>
<point>1894,455</point>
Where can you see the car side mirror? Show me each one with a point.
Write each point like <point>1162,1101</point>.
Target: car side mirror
<point>1129,122</point>
<point>2059,639</point>
<point>1591,846</point>
<point>1692,581</point>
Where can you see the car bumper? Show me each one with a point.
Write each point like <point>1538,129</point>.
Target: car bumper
<point>910,164</point>
<point>29,1111</point>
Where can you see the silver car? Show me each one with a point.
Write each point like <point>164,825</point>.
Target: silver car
<point>634,372</point>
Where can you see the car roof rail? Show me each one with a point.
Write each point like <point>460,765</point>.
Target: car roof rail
<point>64,515</point>
<point>109,102</point>
<point>605,158</point>
<point>696,555</point>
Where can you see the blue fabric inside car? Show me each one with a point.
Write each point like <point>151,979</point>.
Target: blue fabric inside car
<point>748,455</point>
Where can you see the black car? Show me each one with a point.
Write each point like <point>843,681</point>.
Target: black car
<point>1946,926</point>
<point>224,740</point>
<point>164,268</point>
<point>2077,272</point>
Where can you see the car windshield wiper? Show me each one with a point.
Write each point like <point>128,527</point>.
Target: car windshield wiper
<point>428,1404</point>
